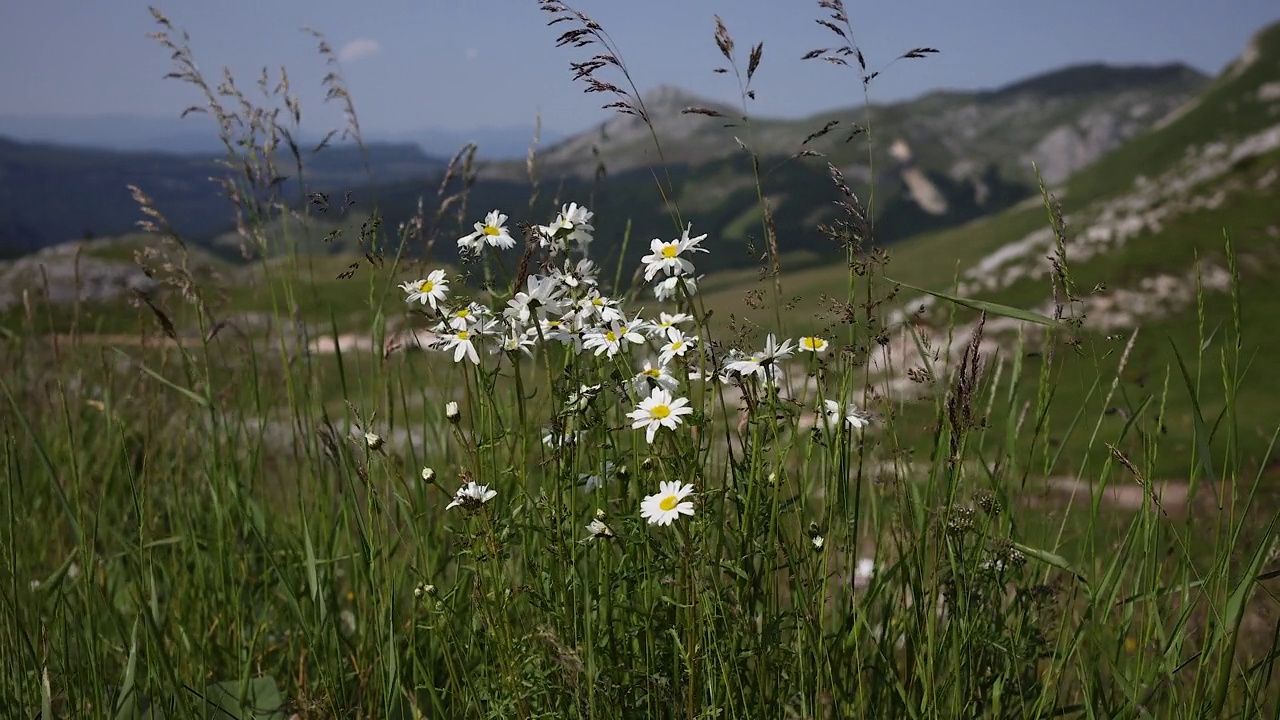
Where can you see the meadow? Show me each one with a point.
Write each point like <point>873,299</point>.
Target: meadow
<point>529,482</point>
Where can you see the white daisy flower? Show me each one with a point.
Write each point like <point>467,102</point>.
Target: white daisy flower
<point>669,288</point>
<point>659,410</point>
<point>665,322</point>
<point>583,273</point>
<point>815,345</point>
<point>747,366</point>
<point>773,352</point>
<point>515,342</point>
<point>676,346</point>
<point>493,231</point>
<point>666,257</point>
<point>851,415</point>
<point>653,376</point>
<point>541,294</point>
<point>668,504</point>
<point>471,496</point>
<point>595,307</point>
<point>598,530</point>
<point>463,343</point>
<point>467,317</point>
<point>573,224</point>
<point>611,339</point>
<point>556,440</point>
<point>429,291</point>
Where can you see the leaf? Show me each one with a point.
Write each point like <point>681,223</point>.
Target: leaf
<point>262,700</point>
<point>198,399</point>
<point>1053,559</point>
<point>988,307</point>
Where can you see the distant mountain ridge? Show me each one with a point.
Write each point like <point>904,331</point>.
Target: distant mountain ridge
<point>941,159</point>
<point>192,135</point>
<point>51,194</point>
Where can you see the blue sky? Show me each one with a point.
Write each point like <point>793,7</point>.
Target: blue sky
<point>467,63</point>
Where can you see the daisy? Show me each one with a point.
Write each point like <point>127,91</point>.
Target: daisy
<point>595,305</point>
<point>611,339</point>
<point>573,224</point>
<point>556,440</point>
<point>773,352</point>
<point>429,291</point>
<point>677,345</point>
<point>514,342</point>
<point>658,410</point>
<point>665,257</point>
<point>463,343</point>
<point>471,496</point>
<point>599,530</point>
<point>468,316</point>
<point>853,417</point>
<point>540,292</point>
<point>653,377</point>
<point>668,504</point>
<point>493,231</point>
<point>584,272</point>
<point>668,289</point>
<point>666,321</point>
<point>815,345</point>
<point>747,366</point>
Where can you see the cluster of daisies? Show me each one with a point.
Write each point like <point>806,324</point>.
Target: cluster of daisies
<point>564,305</point>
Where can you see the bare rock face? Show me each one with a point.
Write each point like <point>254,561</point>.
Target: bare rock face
<point>61,275</point>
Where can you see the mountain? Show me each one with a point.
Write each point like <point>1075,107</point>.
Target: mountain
<point>50,194</point>
<point>1146,249</point>
<point>185,136</point>
<point>940,160</point>
<point>1061,120</point>
<point>494,143</point>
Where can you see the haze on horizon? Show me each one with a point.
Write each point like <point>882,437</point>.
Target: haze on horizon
<point>462,64</point>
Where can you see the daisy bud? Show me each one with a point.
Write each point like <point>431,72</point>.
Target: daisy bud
<point>599,514</point>
<point>452,412</point>
<point>372,441</point>
<point>818,541</point>
<point>428,476</point>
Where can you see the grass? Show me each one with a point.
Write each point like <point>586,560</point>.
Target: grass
<point>241,526</point>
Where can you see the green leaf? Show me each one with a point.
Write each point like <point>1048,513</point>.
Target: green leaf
<point>194,397</point>
<point>258,699</point>
<point>988,307</point>
<point>1053,559</point>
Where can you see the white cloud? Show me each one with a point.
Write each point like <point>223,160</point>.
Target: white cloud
<point>359,49</point>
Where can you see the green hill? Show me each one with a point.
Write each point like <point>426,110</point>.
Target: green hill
<point>1146,227</point>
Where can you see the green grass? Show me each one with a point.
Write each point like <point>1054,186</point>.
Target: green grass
<point>206,530</point>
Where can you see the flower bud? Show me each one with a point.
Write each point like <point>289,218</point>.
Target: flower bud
<point>372,441</point>
<point>452,412</point>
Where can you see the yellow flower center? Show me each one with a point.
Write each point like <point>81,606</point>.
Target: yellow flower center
<point>462,313</point>
<point>668,251</point>
<point>491,230</point>
<point>669,503</point>
<point>653,372</point>
<point>610,336</point>
<point>809,342</point>
<point>677,345</point>
<point>462,334</point>
<point>660,412</point>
